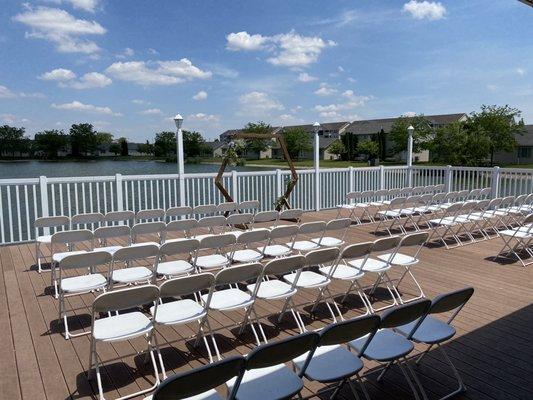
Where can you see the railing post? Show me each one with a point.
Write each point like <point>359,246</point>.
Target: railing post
<point>279,184</point>
<point>409,176</point>
<point>351,183</point>
<point>381,177</point>
<point>448,179</point>
<point>495,182</point>
<point>119,192</point>
<point>181,181</point>
<point>43,187</point>
<point>317,189</point>
<point>234,186</point>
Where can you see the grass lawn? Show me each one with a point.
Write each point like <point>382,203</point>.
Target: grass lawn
<point>269,162</point>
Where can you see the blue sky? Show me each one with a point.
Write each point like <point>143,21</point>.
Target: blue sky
<point>127,66</point>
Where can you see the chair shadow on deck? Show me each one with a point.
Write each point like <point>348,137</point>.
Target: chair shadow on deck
<point>77,323</point>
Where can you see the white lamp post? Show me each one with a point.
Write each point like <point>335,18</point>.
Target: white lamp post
<point>410,131</point>
<point>178,120</point>
<point>316,127</point>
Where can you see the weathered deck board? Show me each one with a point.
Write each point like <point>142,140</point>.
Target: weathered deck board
<point>492,348</point>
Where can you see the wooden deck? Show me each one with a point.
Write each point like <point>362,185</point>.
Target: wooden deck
<point>492,350</point>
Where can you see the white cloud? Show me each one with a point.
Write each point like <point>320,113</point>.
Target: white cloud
<point>126,53</point>
<point>492,87</point>
<point>431,10</point>
<point>201,95</point>
<point>139,101</point>
<point>286,119</point>
<point>201,117</point>
<point>258,103</point>
<point>409,114</point>
<point>337,110</point>
<point>153,51</point>
<point>289,49</point>
<point>61,28</point>
<point>79,106</point>
<point>85,5</point>
<point>151,111</point>
<point>520,71</point>
<point>245,41</point>
<point>325,90</point>
<point>157,72</point>
<point>58,75</point>
<point>6,93</point>
<point>305,77</point>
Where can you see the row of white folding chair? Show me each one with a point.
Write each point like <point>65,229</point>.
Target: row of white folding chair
<point>333,355</point>
<point>517,242</point>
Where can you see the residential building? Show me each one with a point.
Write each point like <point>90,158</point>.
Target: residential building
<point>522,154</point>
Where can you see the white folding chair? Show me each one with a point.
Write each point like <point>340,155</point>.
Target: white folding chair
<point>239,223</point>
<point>182,227</point>
<point>332,361</point>
<point>265,217</point>
<point>277,249</point>
<point>516,242</point>
<point>364,204</point>
<point>244,251</point>
<point>351,200</point>
<point>289,215</point>
<point>44,237</point>
<point>147,230</point>
<point>432,331</point>
<point>174,213</point>
<point>119,218</point>
<point>69,286</point>
<point>389,347</point>
<point>266,376</point>
<point>272,288</point>
<point>123,327</point>
<point>249,206</point>
<point>103,234</point>
<point>151,215</point>
<point>186,250</point>
<point>68,239</point>
<point>204,210</point>
<point>227,208</point>
<point>215,225</point>
<point>132,272</point>
<point>340,227</point>
<point>89,221</point>
<point>304,245</point>
<point>391,215</point>
<point>443,225</point>
<point>232,298</point>
<point>218,246</point>
<point>182,310</point>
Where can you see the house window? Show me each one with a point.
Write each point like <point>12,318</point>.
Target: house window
<point>524,152</point>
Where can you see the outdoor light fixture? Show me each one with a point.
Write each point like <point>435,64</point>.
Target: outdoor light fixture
<point>178,120</point>
<point>316,127</point>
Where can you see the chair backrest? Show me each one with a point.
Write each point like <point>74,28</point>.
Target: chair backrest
<point>284,232</point>
<point>257,235</point>
<point>322,256</point>
<point>357,250</point>
<point>393,192</point>
<point>184,226</point>
<point>338,224</point>
<point>84,260</point>
<point>124,299</point>
<point>346,331</point>
<point>239,219</point>
<point>239,273</point>
<point>438,198</point>
<point>397,202</point>
<point>279,352</point>
<point>507,201</point>
<point>217,241</point>
<point>528,219</point>
<point>179,247</point>
<point>215,221</point>
<point>406,191</point>
<point>281,266</point>
<point>405,313</point>
<point>204,209</point>
<point>186,285</point>
<point>227,207</point>
<point>108,232</point>
<point>463,194</point>
<point>380,192</point>
<point>52,222</point>
<point>414,239</point>
<point>135,253</point>
<point>266,216</point>
<point>311,227</point>
<point>439,188</point>
<point>485,192</point>
<point>174,212</point>
<point>119,216</point>
<point>87,219</point>
<point>474,194</point>
<point>495,203</point>
<point>451,300</point>
<point>145,228</point>
<point>68,237</point>
<point>200,380</point>
<point>418,190</point>
<point>292,213</point>
<point>387,243</point>
<point>152,214</point>
<point>249,205</point>
<point>454,208</point>
<point>520,200</point>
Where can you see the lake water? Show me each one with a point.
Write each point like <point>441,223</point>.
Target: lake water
<point>33,169</point>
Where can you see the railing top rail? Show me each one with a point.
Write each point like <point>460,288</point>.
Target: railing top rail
<point>19,181</point>
<point>77,179</point>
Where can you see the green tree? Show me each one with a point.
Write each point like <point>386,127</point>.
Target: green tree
<point>124,150</point>
<point>298,141</point>
<point>422,134</point>
<point>165,144</point>
<point>103,141</point>
<point>349,141</point>
<point>145,148</point>
<point>500,123</point>
<point>83,139</point>
<point>337,148</point>
<point>257,145</point>
<point>12,140</point>
<point>193,144</point>
<point>50,142</point>
<point>114,148</point>
<point>369,148</point>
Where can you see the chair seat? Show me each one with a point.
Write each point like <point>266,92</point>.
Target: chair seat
<point>275,382</point>
<point>398,259</point>
<point>83,283</point>
<point>386,345</point>
<point>304,245</point>
<point>276,250</point>
<point>346,206</point>
<point>517,233</point>
<point>144,244</point>
<point>273,289</point>
<point>376,203</point>
<point>122,327</point>
<point>131,274</point>
<point>212,261</point>
<point>443,221</point>
<point>371,265</point>
<point>109,249</point>
<point>57,257</point>
<point>390,213</point>
<point>328,241</point>
<point>430,331</point>
<point>44,239</point>
<point>176,267</point>
<point>247,256</point>
<point>330,364</point>
<point>344,272</point>
<point>228,299</point>
<point>178,312</point>
<point>307,279</point>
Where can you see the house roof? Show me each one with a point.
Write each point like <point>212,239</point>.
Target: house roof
<point>326,126</point>
<point>527,138</point>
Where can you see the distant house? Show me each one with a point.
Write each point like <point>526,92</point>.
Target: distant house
<point>523,154</point>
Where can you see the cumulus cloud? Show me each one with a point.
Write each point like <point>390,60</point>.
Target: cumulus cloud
<point>520,71</point>
<point>139,101</point>
<point>58,75</point>
<point>6,93</point>
<point>289,49</point>
<point>126,53</point>
<point>409,114</point>
<point>257,103</point>
<point>325,90</point>
<point>201,95</point>
<point>431,10</point>
<point>201,117</point>
<point>340,110</point>
<point>61,28</point>
<point>151,111</point>
<point>305,77</point>
<point>157,72</point>
<point>89,108</point>
<point>85,5</point>
<point>67,78</point>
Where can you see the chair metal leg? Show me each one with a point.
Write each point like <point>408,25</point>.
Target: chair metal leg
<point>409,382</point>
<point>354,390</point>
<point>417,381</point>
<point>462,387</point>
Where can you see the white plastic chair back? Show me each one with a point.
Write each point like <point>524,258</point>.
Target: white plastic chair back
<point>228,207</point>
<point>72,237</point>
<point>239,219</point>
<point>266,216</point>
<point>176,212</point>
<point>119,217</point>
<point>249,205</point>
<point>204,210</point>
<point>291,214</point>
<point>214,224</point>
<point>88,220</point>
<point>124,299</point>
<point>127,254</point>
<point>148,228</point>
<point>156,214</point>
<point>187,285</point>
<point>239,273</point>
<point>113,232</point>
<point>185,246</point>
<point>55,223</point>
<point>323,257</point>
<point>217,241</point>
<point>183,226</point>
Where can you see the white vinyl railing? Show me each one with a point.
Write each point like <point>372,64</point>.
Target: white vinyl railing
<point>23,200</point>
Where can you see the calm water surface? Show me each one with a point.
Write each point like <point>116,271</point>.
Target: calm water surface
<point>33,169</point>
